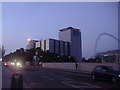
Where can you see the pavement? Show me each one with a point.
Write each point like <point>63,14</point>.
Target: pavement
<point>67,70</point>
<point>72,71</point>
<point>0,77</point>
<point>6,77</point>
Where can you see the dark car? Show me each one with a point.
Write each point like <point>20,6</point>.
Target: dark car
<point>111,73</point>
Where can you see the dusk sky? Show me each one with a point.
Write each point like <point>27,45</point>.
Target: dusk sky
<point>39,20</point>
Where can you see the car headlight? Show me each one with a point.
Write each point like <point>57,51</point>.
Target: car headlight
<point>118,75</point>
<point>18,64</point>
<point>13,63</point>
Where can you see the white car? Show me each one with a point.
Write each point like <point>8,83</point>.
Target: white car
<point>17,64</point>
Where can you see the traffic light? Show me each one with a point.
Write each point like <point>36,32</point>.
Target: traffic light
<point>15,60</point>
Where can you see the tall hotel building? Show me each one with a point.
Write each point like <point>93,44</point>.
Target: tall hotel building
<point>73,36</point>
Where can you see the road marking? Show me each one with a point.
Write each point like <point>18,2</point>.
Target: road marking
<point>68,78</point>
<point>94,86</point>
<point>69,84</point>
<point>26,86</point>
<point>72,85</point>
<point>47,78</point>
<point>57,78</point>
<point>34,85</point>
<point>82,86</point>
<point>61,78</point>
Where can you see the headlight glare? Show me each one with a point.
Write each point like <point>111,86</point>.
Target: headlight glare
<point>118,75</point>
<point>13,63</point>
<point>18,64</point>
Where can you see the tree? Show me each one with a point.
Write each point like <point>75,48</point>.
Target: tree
<point>95,60</point>
<point>3,51</point>
<point>84,60</point>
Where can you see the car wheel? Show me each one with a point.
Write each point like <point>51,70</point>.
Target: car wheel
<point>93,77</point>
<point>114,80</point>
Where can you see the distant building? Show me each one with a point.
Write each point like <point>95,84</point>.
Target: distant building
<point>110,56</point>
<point>73,36</point>
<point>31,44</point>
<point>54,46</point>
<point>27,47</point>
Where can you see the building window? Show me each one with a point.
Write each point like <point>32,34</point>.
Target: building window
<point>63,48</point>
<point>40,44</point>
<point>68,46</point>
<point>59,47</point>
<point>44,45</point>
<point>54,45</point>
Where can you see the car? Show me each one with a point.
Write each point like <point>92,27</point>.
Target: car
<point>103,72</point>
<point>16,64</point>
<point>5,63</point>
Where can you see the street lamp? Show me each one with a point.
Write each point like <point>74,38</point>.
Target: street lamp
<point>41,56</point>
<point>68,56</point>
<point>29,39</point>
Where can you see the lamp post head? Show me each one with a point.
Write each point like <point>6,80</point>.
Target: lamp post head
<point>29,39</point>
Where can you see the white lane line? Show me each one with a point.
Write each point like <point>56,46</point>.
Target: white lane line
<point>70,85</point>
<point>59,78</point>
<point>62,78</point>
<point>47,78</point>
<point>82,86</point>
<point>94,86</point>
<point>26,86</point>
<point>68,78</point>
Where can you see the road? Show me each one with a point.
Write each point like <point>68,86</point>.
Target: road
<point>38,77</point>
<point>0,76</point>
<point>6,77</point>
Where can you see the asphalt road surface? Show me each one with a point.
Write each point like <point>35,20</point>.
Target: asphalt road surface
<point>0,76</point>
<point>38,77</point>
<point>6,77</point>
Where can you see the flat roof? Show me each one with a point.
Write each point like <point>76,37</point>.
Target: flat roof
<point>68,28</point>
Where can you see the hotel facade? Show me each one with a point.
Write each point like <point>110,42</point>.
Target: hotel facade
<point>54,46</point>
